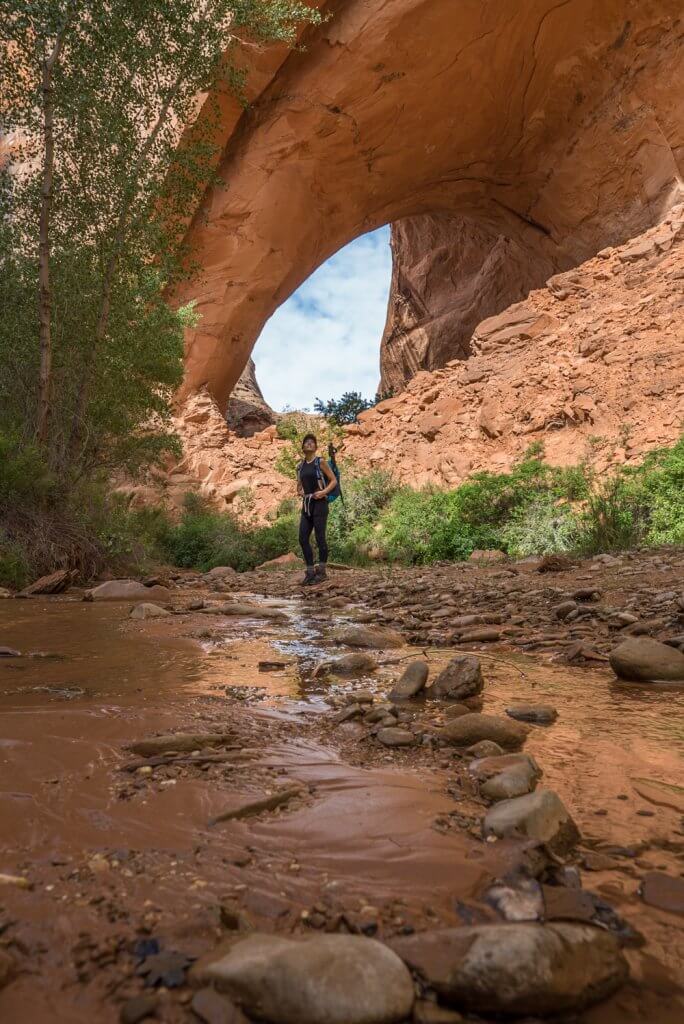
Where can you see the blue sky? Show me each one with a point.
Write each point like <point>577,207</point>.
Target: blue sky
<point>325,339</point>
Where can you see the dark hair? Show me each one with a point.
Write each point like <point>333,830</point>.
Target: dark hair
<point>310,437</point>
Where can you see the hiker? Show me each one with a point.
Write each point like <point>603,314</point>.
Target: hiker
<point>315,482</point>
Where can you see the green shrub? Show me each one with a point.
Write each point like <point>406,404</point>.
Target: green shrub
<point>545,526</point>
<point>661,492</point>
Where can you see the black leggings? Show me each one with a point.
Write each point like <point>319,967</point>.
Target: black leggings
<point>316,520</point>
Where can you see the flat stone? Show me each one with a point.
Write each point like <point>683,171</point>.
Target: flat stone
<point>329,979</point>
<point>362,636</point>
<point>642,659</point>
<point>9,652</point>
<point>411,682</point>
<point>541,714</point>
<point>471,728</point>
<point>461,678</point>
<point>666,892</point>
<point>220,572</point>
<point>127,590</point>
<point>394,737</point>
<point>148,611</point>
<point>540,815</point>
<point>517,968</point>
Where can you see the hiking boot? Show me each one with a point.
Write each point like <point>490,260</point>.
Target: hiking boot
<point>321,574</point>
<point>310,577</point>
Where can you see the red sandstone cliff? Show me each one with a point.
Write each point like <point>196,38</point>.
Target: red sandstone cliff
<point>591,364</point>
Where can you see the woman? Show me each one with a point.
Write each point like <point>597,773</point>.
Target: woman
<point>315,481</point>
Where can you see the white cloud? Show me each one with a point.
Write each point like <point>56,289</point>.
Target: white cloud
<point>325,339</point>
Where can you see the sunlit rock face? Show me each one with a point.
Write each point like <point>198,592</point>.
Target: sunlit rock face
<point>505,141</point>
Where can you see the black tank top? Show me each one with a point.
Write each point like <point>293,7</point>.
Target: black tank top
<point>309,476</point>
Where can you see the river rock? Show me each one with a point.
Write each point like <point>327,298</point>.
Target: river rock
<point>127,590</point>
<point>461,678</point>
<point>518,968</point>
<point>362,636</point>
<point>642,659</point>
<point>329,979</point>
<point>148,611</point>
<point>505,777</point>
<point>4,593</point>
<point>220,572</point>
<point>457,710</point>
<point>394,737</point>
<point>541,815</point>
<point>411,682</point>
<point>471,728</point>
<point>515,781</point>
<point>55,583</point>
<point>348,665</point>
<point>9,652</point>
<point>485,748</point>
<point>541,714</point>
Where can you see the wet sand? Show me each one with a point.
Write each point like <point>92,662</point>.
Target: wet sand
<point>111,855</point>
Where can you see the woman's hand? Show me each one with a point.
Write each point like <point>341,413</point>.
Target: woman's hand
<point>320,494</point>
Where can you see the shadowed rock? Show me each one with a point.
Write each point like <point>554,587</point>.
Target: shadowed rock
<point>520,968</point>
<point>641,659</point>
<point>461,678</point>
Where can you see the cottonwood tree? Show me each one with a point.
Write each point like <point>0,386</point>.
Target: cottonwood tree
<point>99,179</point>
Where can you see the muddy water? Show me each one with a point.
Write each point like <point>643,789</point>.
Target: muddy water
<point>109,856</point>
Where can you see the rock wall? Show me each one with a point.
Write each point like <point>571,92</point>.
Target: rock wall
<point>591,365</point>
<point>448,274</point>
<point>247,411</point>
<point>550,124</point>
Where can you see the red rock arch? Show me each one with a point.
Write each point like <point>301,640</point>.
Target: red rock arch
<point>553,123</point>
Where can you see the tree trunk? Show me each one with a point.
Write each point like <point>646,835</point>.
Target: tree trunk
<point>108,279</point>
<point>44,251</point>
<point>44,289</point>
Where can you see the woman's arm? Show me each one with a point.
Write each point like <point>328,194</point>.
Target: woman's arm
<point>332,481</point>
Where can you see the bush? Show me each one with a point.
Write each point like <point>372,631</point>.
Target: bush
<point>544,527</point>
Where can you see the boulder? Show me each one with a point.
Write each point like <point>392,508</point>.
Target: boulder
<point>363,636</point>
<point>515,781</point>
<point>505,777</point>
<point>469,729</point>
<point>541,714</point>
<point>412,681</point>
<point>394,737</point>
<point>518,968</point>
<point>220,572</point>
<point>541,815</point>
<point>347,665</point>
<point>55,583</point>
<point>643,660</point>
<point>148,611</point>
<point>461,678</point>
<point>329,979</point>
<point>127,590</point>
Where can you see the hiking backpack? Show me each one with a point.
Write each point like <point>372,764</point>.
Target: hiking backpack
<point>322,482</point>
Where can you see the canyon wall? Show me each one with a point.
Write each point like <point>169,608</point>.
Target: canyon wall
<point>591,366</point>
<point>533,132</point>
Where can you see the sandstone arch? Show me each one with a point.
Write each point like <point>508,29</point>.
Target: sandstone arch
<point>553,124</point>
